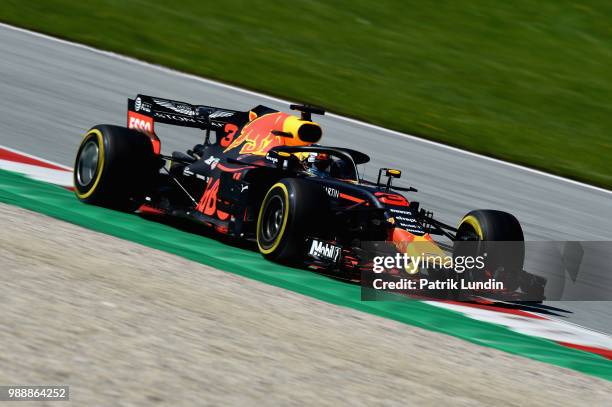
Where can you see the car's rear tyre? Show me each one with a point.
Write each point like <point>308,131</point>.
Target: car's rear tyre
<point>114,167</point>
<point>481,231</point>
<point>291,210</point>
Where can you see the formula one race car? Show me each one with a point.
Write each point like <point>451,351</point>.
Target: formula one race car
<point>259,175</point>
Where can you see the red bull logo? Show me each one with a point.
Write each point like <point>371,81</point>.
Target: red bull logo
<point>256,137</point>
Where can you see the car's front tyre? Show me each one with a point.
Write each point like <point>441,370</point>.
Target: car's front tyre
<point>498,236</point>
<point>291,210</point>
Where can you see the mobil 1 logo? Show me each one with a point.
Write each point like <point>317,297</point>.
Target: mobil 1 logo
<point>322,250</point>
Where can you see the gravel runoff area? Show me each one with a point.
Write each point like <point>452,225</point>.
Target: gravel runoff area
<point>125,325</point>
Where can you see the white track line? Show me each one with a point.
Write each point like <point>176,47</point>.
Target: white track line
<point>57,177</point>
<point>12,150</point>
<point>549,328</point>
<point>279,100</point>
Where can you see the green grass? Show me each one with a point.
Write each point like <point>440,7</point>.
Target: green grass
<point>525,81</point>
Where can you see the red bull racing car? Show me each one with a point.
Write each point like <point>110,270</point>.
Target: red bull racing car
<point>261,175</point>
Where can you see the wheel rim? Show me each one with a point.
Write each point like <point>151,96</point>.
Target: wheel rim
<point>272,220</point>
<point>88,163</point>
<point>468,236</point>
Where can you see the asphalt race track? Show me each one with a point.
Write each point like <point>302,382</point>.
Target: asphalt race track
<point>51,92</point>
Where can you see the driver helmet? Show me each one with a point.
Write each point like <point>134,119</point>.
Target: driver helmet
<point>320,161</point>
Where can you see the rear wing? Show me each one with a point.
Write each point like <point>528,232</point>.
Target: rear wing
<point>144,108</point>
<point>145,111</point>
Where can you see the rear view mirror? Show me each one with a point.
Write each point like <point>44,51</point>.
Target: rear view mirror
<point>393,173</point>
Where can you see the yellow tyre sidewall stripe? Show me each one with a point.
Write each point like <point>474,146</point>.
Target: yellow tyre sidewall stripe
<point>91,190</point>
<point>276,243</point>
<point>473,222</point>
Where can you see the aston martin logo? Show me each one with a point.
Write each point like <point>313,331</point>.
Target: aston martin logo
<point>220,113</point>
<point>177,107</point>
